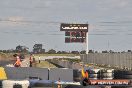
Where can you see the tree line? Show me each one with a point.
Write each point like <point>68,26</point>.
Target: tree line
<point>52,51</point>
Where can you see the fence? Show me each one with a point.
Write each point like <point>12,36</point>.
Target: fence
<point>121,60</point>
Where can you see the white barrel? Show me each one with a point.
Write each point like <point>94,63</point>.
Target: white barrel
<point>11,83</point>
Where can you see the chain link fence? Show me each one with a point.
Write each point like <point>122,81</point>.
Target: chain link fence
<point>118,60</point>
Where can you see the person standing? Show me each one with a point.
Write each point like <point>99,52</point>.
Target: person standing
<point>39,59</point>
<point>33,59</point>
<point>30,61</point>
<point>59,84</point>
<point>18,62</point>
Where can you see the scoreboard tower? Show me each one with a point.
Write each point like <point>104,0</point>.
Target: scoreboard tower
<point>75,33</point>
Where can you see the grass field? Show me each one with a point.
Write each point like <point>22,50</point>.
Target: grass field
<point>6,56</point>
<point>46,55</point>
<point>45,64</point>
<point>56,54</point>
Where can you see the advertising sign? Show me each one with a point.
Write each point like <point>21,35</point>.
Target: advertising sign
<point>74,27</point>
<point>75,37</point>
<point>74,40</point>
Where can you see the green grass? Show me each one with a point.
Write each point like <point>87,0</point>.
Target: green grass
<point>56,54</point>
<point>45,64</point>
<point>72,60</point>
<point>5,56</point>
<point>45,55</point>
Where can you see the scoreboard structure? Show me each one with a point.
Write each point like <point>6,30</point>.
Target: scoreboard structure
<point>74,33</point>
<point>72,37</point>
<point>74,27</point>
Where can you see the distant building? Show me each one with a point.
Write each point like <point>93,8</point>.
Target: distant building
<point>37,48</point>
<point>21,48</point>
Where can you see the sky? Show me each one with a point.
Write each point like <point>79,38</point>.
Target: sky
<point>29,22</point>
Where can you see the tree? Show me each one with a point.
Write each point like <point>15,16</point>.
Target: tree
<point>62,52</point>
<point>51,51</point>
<point>96,51</point>
<point>129,51</point>
<point>75,52</point>
<point>83,52</point>
<point>91,51</point>
<point>105,51</point>
<point>59,52</point>
<point>111,51</point>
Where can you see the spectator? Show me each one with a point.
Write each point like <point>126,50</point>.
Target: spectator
<point>30,60</point>
<point>39,59</point>
<point>33,59</point>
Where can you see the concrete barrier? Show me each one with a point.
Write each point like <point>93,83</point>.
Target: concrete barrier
<point>26,72</point>
<point>63,73</point>
<point>66,64</point>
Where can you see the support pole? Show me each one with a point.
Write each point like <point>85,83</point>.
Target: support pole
<point>87,43</point>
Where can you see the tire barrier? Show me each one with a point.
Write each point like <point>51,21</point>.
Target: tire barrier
<point>107,74</point>
<point>15,84</point>
<point>127,72</point>
<point>127,76</point>
<point>94,76</point>
<point>77,76</point>
<point>0,83</point>
<point>123,74</point>
<point>118,74</point>
<point>93,71</point>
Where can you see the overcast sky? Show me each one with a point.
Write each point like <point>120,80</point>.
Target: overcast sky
<point>27,22</point>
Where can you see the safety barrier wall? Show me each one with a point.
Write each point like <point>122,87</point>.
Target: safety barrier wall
<point>66,64</point>
<point>43,73</point>
<point>26,72</point>
<point>62,74</point>
<point>122,60</point>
